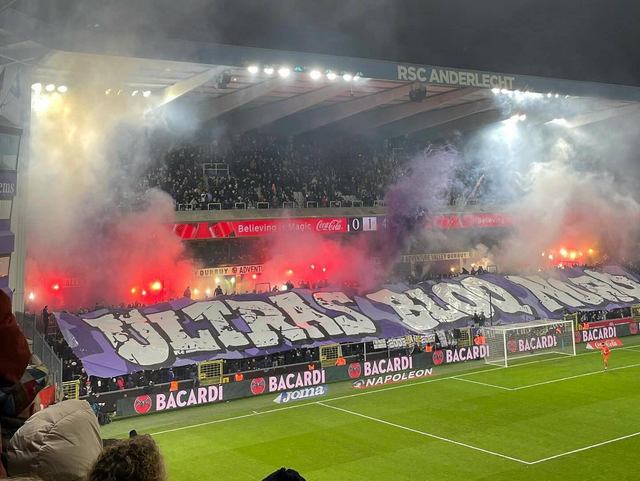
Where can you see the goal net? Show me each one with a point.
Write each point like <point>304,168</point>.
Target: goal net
<point>514,341</point>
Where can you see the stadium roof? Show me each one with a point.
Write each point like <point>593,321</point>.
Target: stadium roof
<point>213,84</point>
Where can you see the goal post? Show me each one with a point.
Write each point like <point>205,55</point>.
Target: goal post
<point>510,342</point>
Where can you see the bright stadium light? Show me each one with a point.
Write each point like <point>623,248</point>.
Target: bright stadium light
<point>50,88</point>
<point>233,280</point>
<point>331,75</point>
<point>268,70</point>
<point>146,93</point>
<point>284,72</point>
<point>32,296</point>
<point>207,292</point>
<point>134,93</point>
<point>347,77</point>
<point>357,77</point>
<point>495,91</point>
<point>315,74</point>
<point>62,89</point>
<point>253,69</point>
<point>37,87</point>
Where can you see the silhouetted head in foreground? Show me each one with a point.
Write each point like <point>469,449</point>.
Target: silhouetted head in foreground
<point>284,474</point>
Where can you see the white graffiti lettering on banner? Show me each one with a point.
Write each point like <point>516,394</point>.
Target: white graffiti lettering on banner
<point>238,325</point>
<point>300,394</point>
<point>392,378</point>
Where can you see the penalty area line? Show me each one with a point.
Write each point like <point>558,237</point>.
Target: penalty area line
<point>586,448</point>
<point>495,386</point>
<point>591,373</point>
<point>423,433</point>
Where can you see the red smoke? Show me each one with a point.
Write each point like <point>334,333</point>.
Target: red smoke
<point>133,254</point>
<point>315,258</point>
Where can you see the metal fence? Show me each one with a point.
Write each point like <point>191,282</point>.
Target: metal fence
<point>40,348</point>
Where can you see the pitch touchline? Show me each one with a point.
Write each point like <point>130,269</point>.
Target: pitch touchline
<point>423,433</point>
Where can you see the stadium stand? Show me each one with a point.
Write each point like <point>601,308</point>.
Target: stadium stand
<point>269,172</point>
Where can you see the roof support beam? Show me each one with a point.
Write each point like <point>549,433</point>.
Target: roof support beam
<point>360,124</point>
<point>182,87</point>
<point>437,117</point>
<point>263,115</point>
<point>466,124</point>
<point>212,108</point>
<point>306,121</point>
<point>600,115</point>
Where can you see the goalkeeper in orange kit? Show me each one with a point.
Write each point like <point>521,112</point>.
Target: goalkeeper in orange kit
<point>605,355</point>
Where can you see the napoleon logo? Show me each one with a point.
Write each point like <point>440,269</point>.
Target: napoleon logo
<point>258,386</point>
<point>437,357</point>
<point>355,370</point>
<point>359,384</point>
<point>142,404</point>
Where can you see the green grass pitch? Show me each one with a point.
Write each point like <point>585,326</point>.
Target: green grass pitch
<point>544,419</point>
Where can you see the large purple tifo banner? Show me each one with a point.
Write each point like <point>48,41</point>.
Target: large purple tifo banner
<point>181,332</point>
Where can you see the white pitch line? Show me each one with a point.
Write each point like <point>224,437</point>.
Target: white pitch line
<point>573,377</point>
<point>586,448</point>
<point>423,433</point>
<point>482,383</point>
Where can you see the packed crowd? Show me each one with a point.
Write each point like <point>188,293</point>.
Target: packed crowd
<point>261,171</point>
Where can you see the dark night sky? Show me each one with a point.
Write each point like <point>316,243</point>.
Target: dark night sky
<point>587,39</point>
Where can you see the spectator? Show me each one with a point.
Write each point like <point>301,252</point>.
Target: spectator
<point>45,320</point>
<point>135,459</point>
<point>284,474</point>
<point>14,350</point>
<point>59,443</point>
